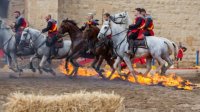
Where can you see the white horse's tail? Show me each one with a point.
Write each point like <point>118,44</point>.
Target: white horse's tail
<point>173,49</point>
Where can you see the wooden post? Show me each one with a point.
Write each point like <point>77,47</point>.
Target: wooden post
<point>102,15</point>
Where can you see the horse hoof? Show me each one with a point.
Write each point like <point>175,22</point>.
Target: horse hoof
<point>102,70</point>
<point>33,70</point>
<point>13,76</point>
<point>67,70</point>
<point>71,77</point>
<point>75,76</point>
<point>40,71</point>
<point>20,70</point>
<point>163,74</point>
<point>53,73</point>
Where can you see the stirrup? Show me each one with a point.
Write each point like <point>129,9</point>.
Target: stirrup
<point>52,56</point>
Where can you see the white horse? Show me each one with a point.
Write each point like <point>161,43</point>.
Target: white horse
<point>7,44</point>
<point>157,48</point>
<point>38,41</point>
<point>124,20</point>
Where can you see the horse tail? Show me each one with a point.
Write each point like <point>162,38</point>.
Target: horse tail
<point>175,50</point>
<point>172,47</point>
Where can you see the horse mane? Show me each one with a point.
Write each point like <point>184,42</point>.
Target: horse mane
<point>70,21</point>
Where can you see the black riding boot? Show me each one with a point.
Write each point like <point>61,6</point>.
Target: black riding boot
<point>53,51</point>
<point>131,47</point>
<point>114,56</point>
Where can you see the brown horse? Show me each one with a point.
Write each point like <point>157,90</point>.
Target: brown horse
<point>79,44</point>
<point>101,49</point>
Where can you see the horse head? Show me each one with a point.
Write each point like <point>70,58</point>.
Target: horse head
<point>91,32</point>
<point>105,31</point>
<point>121,18</point>
<point>67,26</point>
<point>26,36</point>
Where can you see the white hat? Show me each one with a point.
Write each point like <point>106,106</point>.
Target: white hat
<point>91,14</point>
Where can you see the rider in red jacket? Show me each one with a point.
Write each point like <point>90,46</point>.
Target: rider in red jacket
<point>52,34</point>
<point>19,25</point>
<point>149,26</point>
<point>136,29</point>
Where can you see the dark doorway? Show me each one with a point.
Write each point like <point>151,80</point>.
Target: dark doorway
<point>4,8</point>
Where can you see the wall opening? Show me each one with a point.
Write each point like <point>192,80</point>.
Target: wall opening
<point>4,8</point>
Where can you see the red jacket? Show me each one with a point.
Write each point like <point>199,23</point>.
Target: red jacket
<point>180,53</point>
<point>51,28</point>
<point>137,26</point>
<point>149,26</point>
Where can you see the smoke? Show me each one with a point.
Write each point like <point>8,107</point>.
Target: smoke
<point>4,8</point>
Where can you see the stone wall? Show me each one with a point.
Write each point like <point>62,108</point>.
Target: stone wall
<point>177,20</point>
<point>36,10</point>
<point>174,19</point>
<point>15,5</point>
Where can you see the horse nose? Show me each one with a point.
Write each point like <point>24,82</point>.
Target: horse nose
<point>100,36</point>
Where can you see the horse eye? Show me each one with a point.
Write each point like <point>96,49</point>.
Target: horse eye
<point>105,27</point>
<point>120,15</point>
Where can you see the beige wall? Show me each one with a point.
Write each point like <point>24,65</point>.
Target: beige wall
<point>178,20</point>
<point>36,10</point>
<point>175,19</point>
<point>15,5</point>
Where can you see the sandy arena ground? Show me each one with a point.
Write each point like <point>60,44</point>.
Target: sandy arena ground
<point>138,98</point>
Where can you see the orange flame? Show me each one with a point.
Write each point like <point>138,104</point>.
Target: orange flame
<point>167,81</point>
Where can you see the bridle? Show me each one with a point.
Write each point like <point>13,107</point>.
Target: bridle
<point>31,41</point>
<point>111,35</point>
<point>113,18</point>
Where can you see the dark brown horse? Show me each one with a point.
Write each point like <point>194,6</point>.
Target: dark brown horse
<point>83,41</point>
<point>102,49</point>
<point>78,47</point>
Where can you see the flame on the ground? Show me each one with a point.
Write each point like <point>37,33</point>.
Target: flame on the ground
<point>168,81</point>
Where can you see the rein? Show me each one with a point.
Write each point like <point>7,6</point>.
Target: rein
<point>7,42</point>
<point>113,20</point>
<point>110,36</point>
<point>32,41</point>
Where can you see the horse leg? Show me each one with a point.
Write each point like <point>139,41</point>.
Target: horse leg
<point>99,63</point>
<point>14,59</point>
<point>149,64</point>
<point>110,63</point>
<point>118,67</point>
<point>74,64</point>
<point>9,63</point>
<point>31,63</point>
<point>95,62</point>
<point>169,62</point>
<point>75,70</point>
<point>71,74</point>
<point>129,64</point>
<point>161,63</point>
<point>98,67</point>
<point>66,64</point>
<point>111,74</point>
<point>67,60</point>
<point>41,66</point>
<point>8,58</point>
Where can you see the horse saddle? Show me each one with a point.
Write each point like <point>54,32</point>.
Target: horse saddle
<point>140,43</point>
<point>59,43</point>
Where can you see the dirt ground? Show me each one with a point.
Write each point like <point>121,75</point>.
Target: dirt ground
<point>138,98</point>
